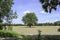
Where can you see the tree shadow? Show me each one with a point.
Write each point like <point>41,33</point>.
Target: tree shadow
<point>43,37</point>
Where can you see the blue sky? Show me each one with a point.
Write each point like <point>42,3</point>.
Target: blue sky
<point>23,6</point>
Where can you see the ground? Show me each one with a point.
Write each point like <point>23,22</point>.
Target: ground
<point>45,30</point>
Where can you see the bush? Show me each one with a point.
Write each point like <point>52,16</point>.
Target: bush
<point>59,30</point>
<point>8,34</point>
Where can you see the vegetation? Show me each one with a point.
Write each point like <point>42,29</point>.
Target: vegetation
<point>57,23</point>
<point>8,34</point>
<point>49,5</point>
<point>17,25</point>
<point>10,16</point>
<point>30,19</point>
<point>5,7</point>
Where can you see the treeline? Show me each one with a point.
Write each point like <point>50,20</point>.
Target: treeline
<point>57,23</point>
<point>14,24</point>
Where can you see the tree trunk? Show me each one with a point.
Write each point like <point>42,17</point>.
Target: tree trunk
<point>30,26</point>
<point>1,27</point>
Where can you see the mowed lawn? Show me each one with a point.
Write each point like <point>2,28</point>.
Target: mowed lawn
<point>45,30</point>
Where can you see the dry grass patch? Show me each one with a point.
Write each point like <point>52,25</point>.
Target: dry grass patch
<point>46,30</point>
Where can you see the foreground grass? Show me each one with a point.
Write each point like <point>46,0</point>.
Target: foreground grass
<point>5,33</point>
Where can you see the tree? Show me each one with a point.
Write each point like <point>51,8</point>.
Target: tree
<point>57,23</point>
<point>10,16</point>
<point>30,19</point>
<point>5,7</point>
<point>49,5</point>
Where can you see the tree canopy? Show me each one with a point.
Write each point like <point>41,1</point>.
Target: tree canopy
<point>5,7</point>
<point>30,19</point>
<point>49,5</point>
<point>10,16</point>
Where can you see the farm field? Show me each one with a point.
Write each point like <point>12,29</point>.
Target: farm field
<point>45,30</point>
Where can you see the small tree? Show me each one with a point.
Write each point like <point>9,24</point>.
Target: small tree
<point>10,16</point>
<point>30,19</point>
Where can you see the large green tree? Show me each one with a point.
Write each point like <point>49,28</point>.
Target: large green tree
<point>49,5</point>
<point>5,7</point>
<point>30,19</point>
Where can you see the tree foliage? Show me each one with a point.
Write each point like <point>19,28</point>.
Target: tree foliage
<point>30,19</point>
<point>49,5</point>
<point>57,23</point>
<point>5,7</point>
<point>10,16</point>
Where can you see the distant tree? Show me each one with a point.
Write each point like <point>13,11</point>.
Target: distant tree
<point>49,5</point>
<point>10,16</point>
<point>5,7</point>
<point>30,19</point>
<point>57,23</point>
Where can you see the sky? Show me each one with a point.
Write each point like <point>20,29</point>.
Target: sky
<point>24,6</point>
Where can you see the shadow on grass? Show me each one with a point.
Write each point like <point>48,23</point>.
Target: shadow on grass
<point>42,37</point>
<point>35,37</point>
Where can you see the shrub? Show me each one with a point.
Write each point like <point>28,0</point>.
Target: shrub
<point>58,29</point>
<point>8,34</point>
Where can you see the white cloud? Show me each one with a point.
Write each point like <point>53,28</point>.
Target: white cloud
<point>43,12</point>
<point>27,12</point>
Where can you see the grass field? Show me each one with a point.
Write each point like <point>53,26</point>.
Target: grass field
<point>45,30</point>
